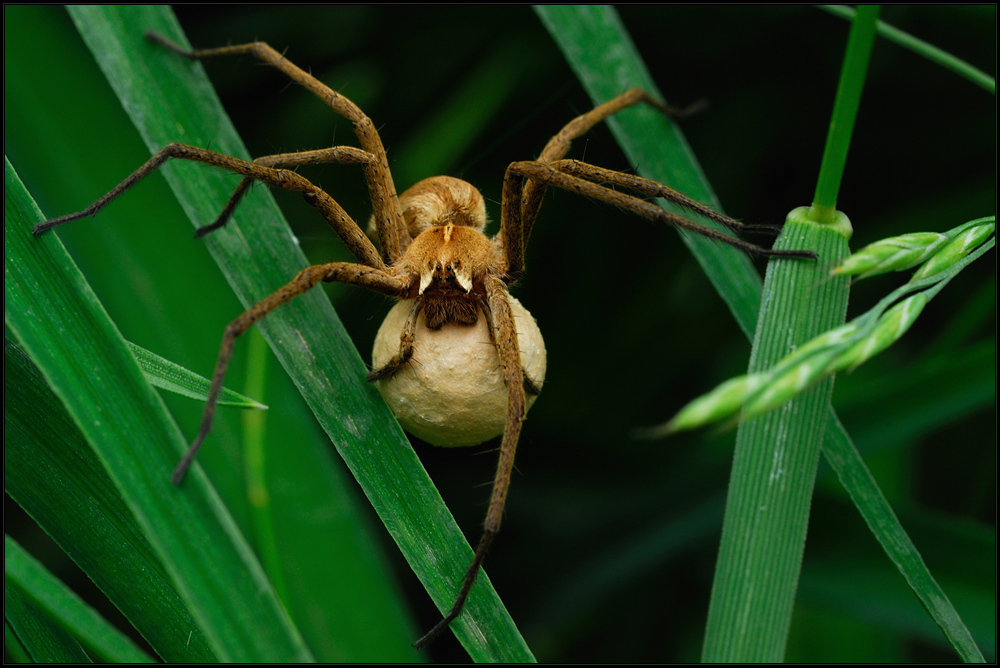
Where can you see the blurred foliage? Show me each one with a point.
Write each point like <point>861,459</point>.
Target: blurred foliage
<point>609,543</point>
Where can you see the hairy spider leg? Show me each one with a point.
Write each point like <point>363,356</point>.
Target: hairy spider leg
<point>504,333</point>
<point>345,227</point>
<point>556,149</point>
<point>360,275</point>
<point>371,273</point>
<point>551,170</point>
<point>399,360</point>
<point>343,155</point>
<point>650,188</point>
<point>555,174</point>
<point>388,214</point>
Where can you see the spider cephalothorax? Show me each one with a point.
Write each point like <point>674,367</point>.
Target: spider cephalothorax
<point>449,253</point>
<point>451,279</point>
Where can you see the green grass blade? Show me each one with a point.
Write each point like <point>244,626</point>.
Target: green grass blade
<point>774,467</point>
<point>257,254</point>
<point>166,375</point>
<point>104,642</point>
<point>869,500</point>
<point>89,367</point>
<point>51,472</point>
<point>928,51</point>
<point>845,112</point>
<point>31,637</point>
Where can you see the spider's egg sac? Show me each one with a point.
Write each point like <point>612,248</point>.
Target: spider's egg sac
<point>451,392</point>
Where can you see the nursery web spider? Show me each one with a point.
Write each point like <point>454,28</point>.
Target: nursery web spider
<point>433,249</point>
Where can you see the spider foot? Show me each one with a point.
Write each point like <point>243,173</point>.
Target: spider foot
<point>391,368</point>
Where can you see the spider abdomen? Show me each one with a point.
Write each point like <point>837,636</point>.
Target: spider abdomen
<point>451,393</point>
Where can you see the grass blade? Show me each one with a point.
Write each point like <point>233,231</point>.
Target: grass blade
<point>845,111</point>
<point>166,375</point>
<point>51,472</point>
<point>101,639</point>
<point>869,500</point>
<point>929,51</point>
<point>30,636</point>
<point>774,467</point>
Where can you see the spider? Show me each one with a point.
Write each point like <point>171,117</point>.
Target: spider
<point>434,256</point>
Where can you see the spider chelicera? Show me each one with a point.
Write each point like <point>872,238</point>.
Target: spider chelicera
<point>434,257</point>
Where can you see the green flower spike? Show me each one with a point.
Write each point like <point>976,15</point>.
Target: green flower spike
<point>891,326</point>
<point>963,241</point>
<point>892,254</point>
<point>720,403</point>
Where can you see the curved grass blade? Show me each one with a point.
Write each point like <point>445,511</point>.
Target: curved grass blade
<point>919,46</point>
<point>166,375</point>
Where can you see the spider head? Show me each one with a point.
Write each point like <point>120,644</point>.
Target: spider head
<point>449,260</point>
